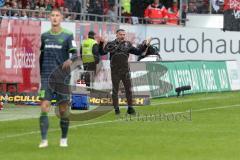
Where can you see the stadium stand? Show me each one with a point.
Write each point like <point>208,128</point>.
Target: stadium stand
<point>125,11</point>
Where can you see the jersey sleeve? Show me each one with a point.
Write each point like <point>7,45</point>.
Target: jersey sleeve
<point>72,47</point>
<point>42,43</point>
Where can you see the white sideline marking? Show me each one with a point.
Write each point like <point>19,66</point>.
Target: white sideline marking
<point>214,108</point>
<point>105,122</point>
<point>190,100</point>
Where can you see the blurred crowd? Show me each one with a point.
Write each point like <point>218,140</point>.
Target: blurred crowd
<point>39,8</point>
<point>152,11</point>
<point>206,6</point>
<point>99,7</point>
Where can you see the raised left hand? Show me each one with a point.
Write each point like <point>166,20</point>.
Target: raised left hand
<point>148,41</point>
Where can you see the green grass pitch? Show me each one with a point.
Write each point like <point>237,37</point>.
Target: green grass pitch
<point>211,133</point>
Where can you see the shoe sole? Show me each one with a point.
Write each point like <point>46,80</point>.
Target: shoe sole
<point>42,146</point>
<point>63,146</point>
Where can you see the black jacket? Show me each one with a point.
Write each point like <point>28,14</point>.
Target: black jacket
<point>119,53</point>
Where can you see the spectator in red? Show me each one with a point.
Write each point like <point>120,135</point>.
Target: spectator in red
<point>60,3</point>
<point>57,3</point>
<point>173,15</point>
<point>154,12</point>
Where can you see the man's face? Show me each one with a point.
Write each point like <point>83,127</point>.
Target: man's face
<point>56,18</point>
<point>121,35</point>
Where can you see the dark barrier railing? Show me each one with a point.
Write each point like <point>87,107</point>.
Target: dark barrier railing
<point>72,16</point>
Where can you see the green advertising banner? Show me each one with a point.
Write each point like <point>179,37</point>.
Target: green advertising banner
<point>215,76</point>
<point>202,76</point>
<point>197,81</point>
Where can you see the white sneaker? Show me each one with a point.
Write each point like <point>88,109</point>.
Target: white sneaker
<point>43,144</point>
<point>63,142</point>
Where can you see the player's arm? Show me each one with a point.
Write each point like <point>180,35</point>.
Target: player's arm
<point>72,51</point>
<point>41,53</point>
<point>72,48</point>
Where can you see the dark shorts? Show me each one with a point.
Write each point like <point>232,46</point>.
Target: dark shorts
<point>50,95</point>
<point>55,86</point>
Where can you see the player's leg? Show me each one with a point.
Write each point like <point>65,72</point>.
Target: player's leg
<point>44,123</point>
<point>64,121</point>
<point>126,79</point>
<point>62,93</point>
<point>115,88</point>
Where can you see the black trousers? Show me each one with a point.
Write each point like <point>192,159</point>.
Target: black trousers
<point>126,79</point>
<point>89,75</point>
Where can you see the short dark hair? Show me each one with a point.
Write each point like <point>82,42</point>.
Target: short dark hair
<point>91,34</point>
<point>120,30</point>
<point>56,10</point>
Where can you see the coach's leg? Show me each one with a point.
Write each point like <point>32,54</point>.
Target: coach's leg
<point>64,121</point>
<point>126,79</point>
<point>115,88</point>
<point>45,106</point>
